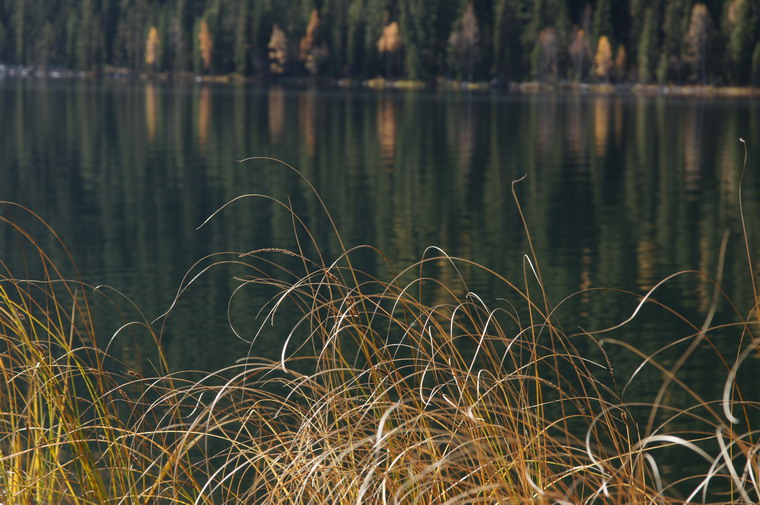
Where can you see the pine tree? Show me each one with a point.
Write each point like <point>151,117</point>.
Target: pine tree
<point>3,41</point>
<point>129,48</point>
<point>579,53</point>
<point>20,26</point>
<point>90,44</point>
<point>242,40</point>
<point>545,55</point>
<point>546,32</point>
<point>740,25</point>
<point>464,42</point>
<point>261,33</point>
<point>415,19</point>
<point>335,34</point>
<point>510,18</point>
<point>647,47</point>
<point>356,57</point>
<point>696,42</point>
<point>674,27</point>
<point>755,73</point>
<point>602,20</point>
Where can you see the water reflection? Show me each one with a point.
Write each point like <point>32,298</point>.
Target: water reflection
<point>204,115</point>
<point>307,121</point>
<point>601,123</point>
<point>621,191</point>
<point>386,130</point>
<point>576,132</point>
<point>461,135</point>
<point>276,113</point>
<point>693,140</point>
<point>151,113</point>
<point>646,256</point>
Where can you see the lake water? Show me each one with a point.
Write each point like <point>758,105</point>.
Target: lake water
<point>620,192</point>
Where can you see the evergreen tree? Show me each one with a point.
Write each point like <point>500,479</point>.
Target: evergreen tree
<point>21,27</point>
<point>647,47</point>
<point>544,56</point>
<point>356,56</point>
<point>242,38</point>
<point>44,45</point>
<point>696,42</point>
<point>335,27</point>
<point>261,32</point>
<point>3,40</point>
<point>674,27</point>
<point>603,21</point>
<point>166,55</point>
<point>464,43</point>
<point>740,25</point>
<point>545,33</point>
<point>506,39</point>
<point>131,31</point>
<point>90,37</point>
<point>755,73</point>
<point>579,53</point>
<point>502,52</point>
<point>416,23</point>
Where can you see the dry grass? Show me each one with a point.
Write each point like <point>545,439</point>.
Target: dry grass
<point>396,390</point>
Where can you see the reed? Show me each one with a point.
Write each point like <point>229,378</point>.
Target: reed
<point>399,388</point>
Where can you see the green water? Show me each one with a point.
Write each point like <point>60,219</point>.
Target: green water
<point>620,192</point>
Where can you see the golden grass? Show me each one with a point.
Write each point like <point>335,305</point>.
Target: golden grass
<point>394,390</point>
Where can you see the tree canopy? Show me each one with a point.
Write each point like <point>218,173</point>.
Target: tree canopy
<point>674,41</point>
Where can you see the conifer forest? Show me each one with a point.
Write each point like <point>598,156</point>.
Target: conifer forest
<point>635,41</point>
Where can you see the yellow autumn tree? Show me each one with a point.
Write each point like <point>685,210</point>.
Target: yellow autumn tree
<point>390,40</point>
<point>388,45</point>
<point>307,43</point>
<point>603,58</point>
<point>312,52</point>
<point>621,60</point>
<point>278,50</point>
<point>206,44</point>
<point>151,47</point>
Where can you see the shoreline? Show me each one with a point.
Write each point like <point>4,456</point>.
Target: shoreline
<point>380,83</point>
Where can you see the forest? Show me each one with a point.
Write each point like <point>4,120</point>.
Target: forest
<point>636,41</point>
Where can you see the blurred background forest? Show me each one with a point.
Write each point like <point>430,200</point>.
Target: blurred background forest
<point>643,41</point>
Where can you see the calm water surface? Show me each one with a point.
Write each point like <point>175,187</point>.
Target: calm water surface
<point>621,191</point>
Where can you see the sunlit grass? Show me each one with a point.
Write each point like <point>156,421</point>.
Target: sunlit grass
<point>389,388</point>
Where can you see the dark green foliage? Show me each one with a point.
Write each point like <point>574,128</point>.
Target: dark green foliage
<point>675,24</point>
<point>647,47</point>
<point>94,34</point>
<point>603,21</point>
<point>739,27</point>
<point>755,76</point>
